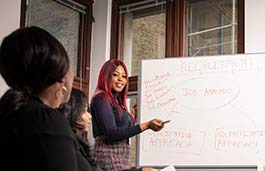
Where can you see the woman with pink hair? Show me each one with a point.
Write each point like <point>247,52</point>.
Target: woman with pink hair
<point>113,125</point>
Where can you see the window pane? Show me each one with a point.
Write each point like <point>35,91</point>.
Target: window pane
<point>60,21</point>
<point>144,36</point>
<point>212,27</point>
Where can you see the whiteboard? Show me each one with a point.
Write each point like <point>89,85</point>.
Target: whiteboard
<point>216,106</point>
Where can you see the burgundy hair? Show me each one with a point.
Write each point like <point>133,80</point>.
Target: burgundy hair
<point>104,84</point>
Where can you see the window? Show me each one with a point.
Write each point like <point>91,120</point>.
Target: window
<point>144,33</point>
<point>143,29</point>
<point>212,34</point>
<point>70,22</point>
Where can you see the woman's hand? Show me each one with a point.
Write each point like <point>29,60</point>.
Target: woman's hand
<point>155,125</point>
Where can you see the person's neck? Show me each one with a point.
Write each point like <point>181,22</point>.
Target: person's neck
<point>49,101</point>
<point>49,98</point>
<point>115,94</point>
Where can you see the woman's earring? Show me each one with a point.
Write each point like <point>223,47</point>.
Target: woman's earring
<point>64,88</point>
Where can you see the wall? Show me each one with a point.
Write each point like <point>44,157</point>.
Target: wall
<point>100,45</point>
<point>254,26</point>
<point>100,50</point>
<point>10,19</point>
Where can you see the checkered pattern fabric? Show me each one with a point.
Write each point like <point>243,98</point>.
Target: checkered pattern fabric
<point>112,156</point>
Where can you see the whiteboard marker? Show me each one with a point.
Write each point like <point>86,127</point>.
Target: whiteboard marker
<point>166,122</point>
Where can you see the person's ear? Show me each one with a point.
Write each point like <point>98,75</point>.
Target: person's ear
<point>59,94</point>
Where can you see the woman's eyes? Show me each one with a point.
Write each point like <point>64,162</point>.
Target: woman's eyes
<point>117,74</point>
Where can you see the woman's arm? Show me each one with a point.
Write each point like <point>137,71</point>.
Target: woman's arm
<point>104,117</point>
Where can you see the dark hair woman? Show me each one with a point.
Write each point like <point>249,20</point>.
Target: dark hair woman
<point>113,125</point>
<point>78,115</point>
<point>34,134</point>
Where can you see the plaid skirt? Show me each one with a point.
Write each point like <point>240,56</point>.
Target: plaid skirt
<point>112,156</point>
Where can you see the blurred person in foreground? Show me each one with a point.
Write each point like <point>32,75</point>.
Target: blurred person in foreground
<point>35,135</point>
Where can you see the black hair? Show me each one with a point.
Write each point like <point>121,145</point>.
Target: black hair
<point>73,110</point>
<point>31,60</point>
<point>11,101</point>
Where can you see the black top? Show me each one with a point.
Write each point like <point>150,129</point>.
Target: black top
<point>105,120</point>
<point>37,137</point>
<point>85,151</point>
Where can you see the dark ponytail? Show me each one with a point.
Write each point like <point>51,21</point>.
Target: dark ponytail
<point>11,101</point>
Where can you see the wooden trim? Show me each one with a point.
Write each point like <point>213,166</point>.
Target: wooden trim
<point>176,28</point>
<point>124,2</point>
<point>84,47</point>
<point>121,37</point>
<point>133,82</point>
<point>179,28</point>
<point>117,34</point>
<point>183,29</point>
<point>169,29</point>
<point>86,3</point>
<point>114,43</point>
<point>80,47</point>
<point>241,26</point>
<point>83,87</point>
<point>23,13</point>
<point>86,44</point>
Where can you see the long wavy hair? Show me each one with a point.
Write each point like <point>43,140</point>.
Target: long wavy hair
<point>74,110</point>
<point>104,85</point>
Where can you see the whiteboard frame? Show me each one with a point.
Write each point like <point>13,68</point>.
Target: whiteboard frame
<point>190,167</point>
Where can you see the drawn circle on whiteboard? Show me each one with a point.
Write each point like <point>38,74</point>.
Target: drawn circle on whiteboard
<point>207,92</point>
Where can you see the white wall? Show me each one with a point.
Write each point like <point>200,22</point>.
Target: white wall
<point>10,19</point>
<point>100,50</point>
<point>254,26</point>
